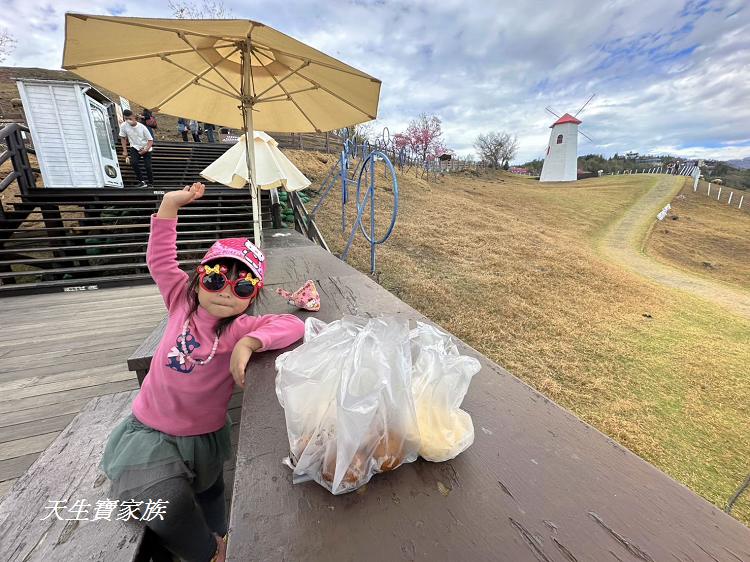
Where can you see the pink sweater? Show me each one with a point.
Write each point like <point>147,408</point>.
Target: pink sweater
<point>183,398</point>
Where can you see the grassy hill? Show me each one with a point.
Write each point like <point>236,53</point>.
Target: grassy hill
<point>510,266</point>
<point>705,236</point>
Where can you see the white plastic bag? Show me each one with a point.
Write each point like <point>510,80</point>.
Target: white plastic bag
<point>346,394</point>
<point>365,395</point>
<point>440,379</point>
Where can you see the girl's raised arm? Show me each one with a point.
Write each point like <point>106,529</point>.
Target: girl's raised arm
<point>161,253</point>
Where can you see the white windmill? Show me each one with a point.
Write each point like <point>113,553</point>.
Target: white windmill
<point>561,156</point>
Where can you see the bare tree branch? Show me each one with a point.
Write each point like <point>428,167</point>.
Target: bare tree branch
<point>7,44</point>
<point>496,148</point>
<point>206,9</point>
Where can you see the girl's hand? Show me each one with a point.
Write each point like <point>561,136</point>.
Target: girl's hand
<point>188,194</point>
<point>241,354</point>
<point>172,201</point>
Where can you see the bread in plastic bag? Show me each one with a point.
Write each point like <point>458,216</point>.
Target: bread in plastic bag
<point>365,395</point>
<point>440,380</point>
<point>346,394</point>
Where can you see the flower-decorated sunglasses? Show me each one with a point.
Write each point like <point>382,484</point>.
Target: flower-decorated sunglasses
<point>214,279</point>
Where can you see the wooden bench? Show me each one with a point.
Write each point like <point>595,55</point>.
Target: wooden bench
<point>67,471</point>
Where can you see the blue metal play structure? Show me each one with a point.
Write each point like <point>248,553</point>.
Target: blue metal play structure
<point>357,166</point>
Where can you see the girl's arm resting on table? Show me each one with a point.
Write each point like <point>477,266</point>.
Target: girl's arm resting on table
<point>161,253</point>
<point>273,331</point>
<point>261,333</point>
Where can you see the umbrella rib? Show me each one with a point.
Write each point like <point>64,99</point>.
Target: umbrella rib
<point>177,30</point>
<point>314,126</point>
<point>282,97</point>
<point>334,94</point>
<point>182,36</point>
<point>278,82</point>
<point>204,72</point>
<point>140,57</point>
<point>218,91</point>
<point>184,87</point>
<point>353,72</point>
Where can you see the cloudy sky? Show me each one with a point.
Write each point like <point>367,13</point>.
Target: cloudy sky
<point>669,76</point>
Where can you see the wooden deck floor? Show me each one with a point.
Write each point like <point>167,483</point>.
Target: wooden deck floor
<point>60,350</point>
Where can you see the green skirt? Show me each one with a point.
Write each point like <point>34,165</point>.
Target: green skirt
<point>137,456</point>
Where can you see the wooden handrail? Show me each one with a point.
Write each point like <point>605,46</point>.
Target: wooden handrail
<point>305,224</point>
<point>17,152</point>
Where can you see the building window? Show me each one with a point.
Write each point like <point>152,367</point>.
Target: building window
<point>559,139</point>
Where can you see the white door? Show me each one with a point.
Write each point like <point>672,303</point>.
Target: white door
<point>105,145</point>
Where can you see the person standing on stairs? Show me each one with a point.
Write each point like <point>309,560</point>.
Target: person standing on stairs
<point>195,130</point>
<point>210,128</point>
<point>182,128</point>
<point>141,146</point>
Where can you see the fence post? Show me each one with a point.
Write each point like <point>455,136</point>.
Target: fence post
<point>326,142</point>
<point>719,195</point>
<point>730,197</point>
<point>708,193</point>
<point>742,197</point>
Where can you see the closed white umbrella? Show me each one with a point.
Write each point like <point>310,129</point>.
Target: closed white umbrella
<point>272,167</point>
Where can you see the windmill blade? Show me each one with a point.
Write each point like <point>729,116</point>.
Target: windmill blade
<point>584,105</point>
<point>552,112</point>
<point>585,135</point>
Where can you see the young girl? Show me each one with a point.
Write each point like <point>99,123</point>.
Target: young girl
<point>173,444</point>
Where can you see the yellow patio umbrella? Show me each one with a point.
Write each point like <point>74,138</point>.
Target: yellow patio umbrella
<point>239,73</point>
<point>272,167</point>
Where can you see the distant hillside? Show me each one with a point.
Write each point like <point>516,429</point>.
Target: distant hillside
<point>730,174</point>
<point>743,164</point>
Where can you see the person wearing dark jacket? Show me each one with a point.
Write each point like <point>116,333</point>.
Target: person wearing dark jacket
<point>182,127</point>
<point>210,128</point>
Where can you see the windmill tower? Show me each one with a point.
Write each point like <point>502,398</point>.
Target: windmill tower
<point>561,156</point>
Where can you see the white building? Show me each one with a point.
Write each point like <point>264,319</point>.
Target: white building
<point>73,135</point>
<point>561,159</point>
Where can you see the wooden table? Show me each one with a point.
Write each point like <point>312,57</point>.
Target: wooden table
<point>538,484</point>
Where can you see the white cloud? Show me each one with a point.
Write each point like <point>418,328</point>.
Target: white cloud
<point>669,75</point>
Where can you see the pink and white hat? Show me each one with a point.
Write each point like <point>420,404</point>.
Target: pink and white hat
<point>240,249</point>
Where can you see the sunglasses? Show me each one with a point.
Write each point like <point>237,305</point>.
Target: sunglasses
<point>214,279</point>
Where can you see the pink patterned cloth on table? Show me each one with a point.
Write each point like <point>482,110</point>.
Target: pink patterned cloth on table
<point>306,297</point>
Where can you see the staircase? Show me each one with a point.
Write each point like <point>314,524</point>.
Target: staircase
<point>81,239</point>
<point>176,163</point>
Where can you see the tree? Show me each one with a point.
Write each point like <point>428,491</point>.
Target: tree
<point>7,44</point>
<point>361,132</point>
<point>496,148</point>
<point>206,9</point>
<point>510,148</point>
<point>534,166</point>
<point>423,136</point>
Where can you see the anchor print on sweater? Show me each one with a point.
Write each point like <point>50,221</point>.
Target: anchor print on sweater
<point>176,355</point>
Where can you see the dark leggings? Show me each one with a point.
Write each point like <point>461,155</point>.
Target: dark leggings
<point>190,518</point>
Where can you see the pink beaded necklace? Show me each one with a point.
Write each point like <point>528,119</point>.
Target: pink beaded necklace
<point>184,343</point>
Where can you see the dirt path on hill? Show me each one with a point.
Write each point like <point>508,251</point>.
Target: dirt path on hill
<point>625,239</point>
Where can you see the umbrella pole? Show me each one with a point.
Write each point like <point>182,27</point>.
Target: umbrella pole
<point>254,195</point>
<point>250,145</point>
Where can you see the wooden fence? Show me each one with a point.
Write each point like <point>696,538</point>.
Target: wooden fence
<point>322,142</point>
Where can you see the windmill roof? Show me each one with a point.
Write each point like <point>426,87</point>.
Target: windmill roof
<point>567,118</point>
